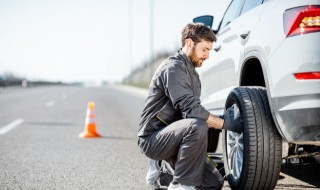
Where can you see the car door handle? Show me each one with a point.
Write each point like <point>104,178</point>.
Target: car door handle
<point>217,48</point>
<point>245,34</point>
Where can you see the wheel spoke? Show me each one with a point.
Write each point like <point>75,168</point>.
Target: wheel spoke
<point>235,164</point>
<point>232,134</point>
<point>232,152</point>
<point>241,156</point>
<point>240,146</point>
<point>240,159</point>
<point>232,155</point>
<point>236,169</point>
<point>231,142</point>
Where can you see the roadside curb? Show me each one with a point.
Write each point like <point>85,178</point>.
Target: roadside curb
<point>131,89</point>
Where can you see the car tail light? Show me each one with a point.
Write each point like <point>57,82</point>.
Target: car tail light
<point>308,75</point>
<point>302,20</point>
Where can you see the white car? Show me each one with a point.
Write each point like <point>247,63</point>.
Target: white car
<point>266,64</point>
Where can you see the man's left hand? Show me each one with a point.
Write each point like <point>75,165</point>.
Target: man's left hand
<point>230,123</point>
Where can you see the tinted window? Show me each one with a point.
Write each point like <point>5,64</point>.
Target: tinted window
<point>250,4</point>
<point>232,12</point>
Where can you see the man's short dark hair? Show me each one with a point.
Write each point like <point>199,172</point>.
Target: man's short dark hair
<point>197,32</point>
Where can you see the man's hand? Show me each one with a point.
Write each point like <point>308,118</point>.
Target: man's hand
<point>230,123</point>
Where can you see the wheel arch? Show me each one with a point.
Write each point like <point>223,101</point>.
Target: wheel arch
<point>251,73</point>
<point>254,73</point>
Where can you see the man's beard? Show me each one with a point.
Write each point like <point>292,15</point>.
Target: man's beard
<point>196,61</point>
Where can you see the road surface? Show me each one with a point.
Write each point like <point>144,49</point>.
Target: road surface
<point>40,147</point>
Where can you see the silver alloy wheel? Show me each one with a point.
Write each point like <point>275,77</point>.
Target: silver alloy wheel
<point>235,149</point>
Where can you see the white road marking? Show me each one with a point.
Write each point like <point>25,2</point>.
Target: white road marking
<point>50,103</point>
<point>10,126</point>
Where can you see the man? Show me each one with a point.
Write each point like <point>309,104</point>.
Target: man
<point>174,124</point>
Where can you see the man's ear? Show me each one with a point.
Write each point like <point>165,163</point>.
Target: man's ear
<point>189,42</point>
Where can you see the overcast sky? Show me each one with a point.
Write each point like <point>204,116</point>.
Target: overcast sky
<point>80,40</point>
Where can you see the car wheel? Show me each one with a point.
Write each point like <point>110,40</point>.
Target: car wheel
<point>252,159</point>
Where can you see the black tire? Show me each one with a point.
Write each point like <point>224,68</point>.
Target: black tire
<point>259,164</point>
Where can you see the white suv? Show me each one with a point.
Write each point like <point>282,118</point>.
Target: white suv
<point>266,64</point>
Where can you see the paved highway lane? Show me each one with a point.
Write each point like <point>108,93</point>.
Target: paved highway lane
<point>44,151</point>
<point>40,148</point>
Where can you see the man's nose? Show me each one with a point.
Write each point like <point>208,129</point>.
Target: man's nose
<point>206,55</point>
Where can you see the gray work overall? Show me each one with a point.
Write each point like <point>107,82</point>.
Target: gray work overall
<point>173,124</point>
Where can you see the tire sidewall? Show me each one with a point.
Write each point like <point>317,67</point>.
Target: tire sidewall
<point>234,98</point>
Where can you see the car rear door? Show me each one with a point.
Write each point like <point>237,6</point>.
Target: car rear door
<point>232,37</point>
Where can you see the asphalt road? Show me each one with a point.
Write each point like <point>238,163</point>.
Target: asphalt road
<point>41,149</point>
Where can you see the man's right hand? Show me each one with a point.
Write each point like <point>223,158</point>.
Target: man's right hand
<point>230,123</point>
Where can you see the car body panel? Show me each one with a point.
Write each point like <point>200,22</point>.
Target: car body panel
<point>227,61</point>
<point>290,100</point>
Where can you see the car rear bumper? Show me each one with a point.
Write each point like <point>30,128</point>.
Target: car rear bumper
<point>298,118</point>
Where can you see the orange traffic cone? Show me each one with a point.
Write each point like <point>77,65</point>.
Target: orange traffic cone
<point>90,128</point>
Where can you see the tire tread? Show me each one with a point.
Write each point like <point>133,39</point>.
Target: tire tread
<point>262,141</point>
